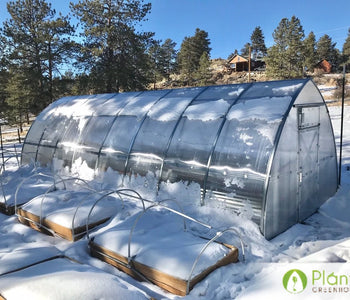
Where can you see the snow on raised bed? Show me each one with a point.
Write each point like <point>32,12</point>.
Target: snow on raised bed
<point>62,209</point>
<point>159,241</point>
<point>27,181</point>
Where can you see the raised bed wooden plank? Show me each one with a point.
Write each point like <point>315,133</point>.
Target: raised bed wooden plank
<point>33,221</point>
<point>168,282</point>
<point>66,213</point>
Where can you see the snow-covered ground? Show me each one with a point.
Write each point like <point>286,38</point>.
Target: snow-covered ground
<point>328,91</point>
<point>322,243</point>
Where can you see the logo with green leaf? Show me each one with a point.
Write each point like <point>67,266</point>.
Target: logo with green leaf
<point>295,281</point>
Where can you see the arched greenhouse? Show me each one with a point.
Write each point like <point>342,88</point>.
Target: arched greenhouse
<point>266,144</point>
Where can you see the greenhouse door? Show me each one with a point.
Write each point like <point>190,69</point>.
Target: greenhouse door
<point>308,164</point>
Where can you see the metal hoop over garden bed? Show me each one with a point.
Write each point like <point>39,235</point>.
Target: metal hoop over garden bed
<point>135,266</point>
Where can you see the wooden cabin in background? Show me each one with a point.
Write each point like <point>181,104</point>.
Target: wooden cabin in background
<point>323,66</point>
<point>239,63</point>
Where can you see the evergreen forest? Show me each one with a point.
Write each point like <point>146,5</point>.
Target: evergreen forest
<point>44,56</point>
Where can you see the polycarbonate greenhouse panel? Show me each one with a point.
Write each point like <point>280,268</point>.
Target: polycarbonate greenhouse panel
<point>36,131</point>
<point>154,135</point>
<point>269,145</point>
<point>118,140</point>
<point>118,143</point>
<point>50,137</point>
<point>67,144</point>
<point>281,201</point>
<point>114,104</point>
<point>240,161</point>
<point>190,151</point>
<point>92,138</point>
<point>197,131</point>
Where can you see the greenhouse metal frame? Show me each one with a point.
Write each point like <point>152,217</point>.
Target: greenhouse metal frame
<point>269,145</point>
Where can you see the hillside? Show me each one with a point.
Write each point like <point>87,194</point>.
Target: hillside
<point>327,83</point>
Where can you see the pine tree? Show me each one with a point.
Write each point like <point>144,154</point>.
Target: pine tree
<point>324,47</point>
<point>36,46</point>
<point>3,60</point>
<point>295,49</point>
<point>326,50</point>
<point>201,42</point>
<point>168,57</point>
<point>81,84</point>
<point>20,92</point>
<point>310,52</point>
<point>191,50</point>
<point>276,55</point>
<point>285,58</point>
<point>258,47</point>
<point>59,49</point>
<point>112,46</point>
<point>3,94</point>
<point>187,59</point>
<point>163,58</point>
<point>245,50</point>
<point>3,78</point>
<point>154,53</point>
<point>203,74</point>
<point>346,49</point>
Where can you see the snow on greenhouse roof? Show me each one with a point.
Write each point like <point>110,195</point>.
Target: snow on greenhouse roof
<point>139,103</point>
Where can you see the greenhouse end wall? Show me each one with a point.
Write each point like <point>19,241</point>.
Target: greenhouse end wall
<point>304,168</point>
<point>240,142</point>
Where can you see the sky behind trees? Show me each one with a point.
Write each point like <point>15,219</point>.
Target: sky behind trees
<point>230,23</point>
